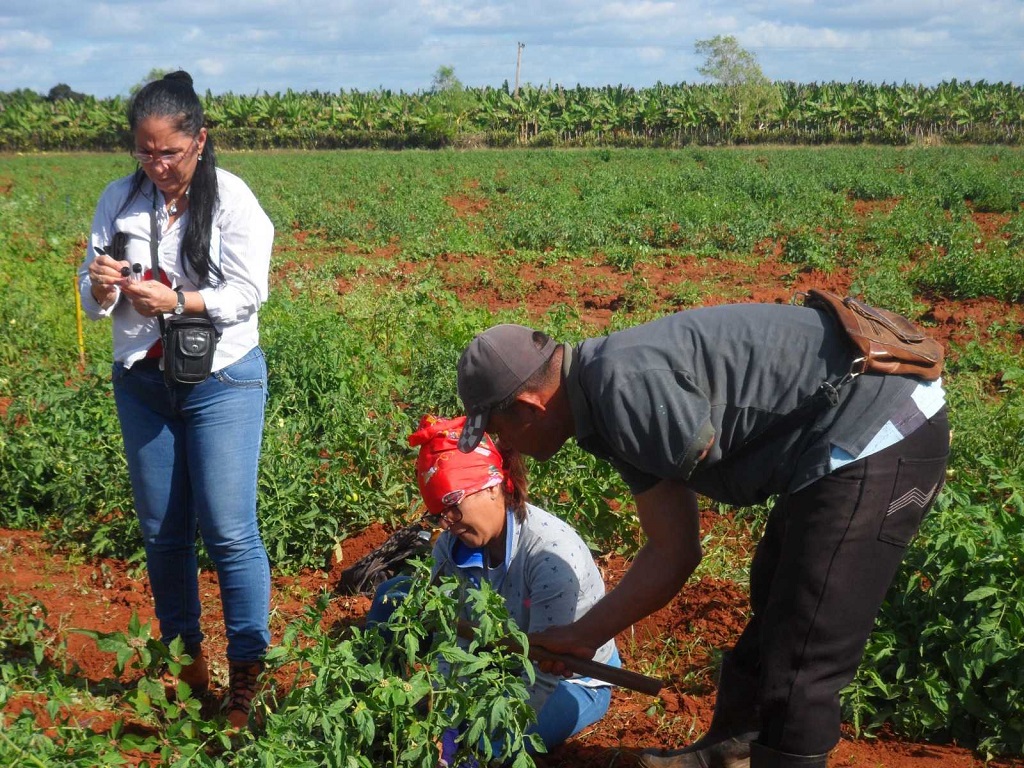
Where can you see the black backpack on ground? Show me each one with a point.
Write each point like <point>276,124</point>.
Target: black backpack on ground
<point>387,560</point>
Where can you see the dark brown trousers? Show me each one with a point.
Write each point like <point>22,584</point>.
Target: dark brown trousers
<point>818,578</point>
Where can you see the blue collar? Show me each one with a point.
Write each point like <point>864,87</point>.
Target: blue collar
<point>473,561</point>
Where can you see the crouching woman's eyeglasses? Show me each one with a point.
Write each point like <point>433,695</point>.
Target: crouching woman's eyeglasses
<point>448,517</point>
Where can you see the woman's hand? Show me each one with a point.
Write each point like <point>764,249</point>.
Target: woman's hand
<point>105,278</point>
<point>150,297</point>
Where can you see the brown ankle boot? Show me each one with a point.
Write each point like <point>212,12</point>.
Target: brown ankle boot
<point>196,674</point>
<point>242,689</point>
<point>763,757</point>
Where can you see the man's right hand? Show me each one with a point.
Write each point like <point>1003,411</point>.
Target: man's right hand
<point>670,518</point>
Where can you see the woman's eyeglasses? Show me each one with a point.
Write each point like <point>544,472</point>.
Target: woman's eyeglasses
<point>448,516</point>
<point>167,159</point>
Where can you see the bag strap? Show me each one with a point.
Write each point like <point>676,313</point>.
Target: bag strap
<point>154,237</point>
<point>827,394</point>
<point>825,397</point>
<point>154,240</point>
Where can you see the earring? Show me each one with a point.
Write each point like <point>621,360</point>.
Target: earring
<point>200,158</point>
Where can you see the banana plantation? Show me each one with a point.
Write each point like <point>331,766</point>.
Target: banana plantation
<point>659,116</point>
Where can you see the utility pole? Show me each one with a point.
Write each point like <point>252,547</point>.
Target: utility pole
<point>519,60</point>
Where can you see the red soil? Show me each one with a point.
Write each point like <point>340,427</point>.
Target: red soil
<point>679,640</point>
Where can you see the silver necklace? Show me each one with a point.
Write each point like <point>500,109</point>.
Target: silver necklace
<point>173,208</point>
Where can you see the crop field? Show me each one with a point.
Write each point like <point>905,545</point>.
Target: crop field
<point>385,265</point>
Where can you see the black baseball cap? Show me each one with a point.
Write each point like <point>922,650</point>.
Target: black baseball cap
<point>495,365</point>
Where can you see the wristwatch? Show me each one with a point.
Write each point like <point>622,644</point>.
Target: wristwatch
<point>180,307</point>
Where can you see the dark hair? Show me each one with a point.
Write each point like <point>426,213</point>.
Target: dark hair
<point>517,484</point>
<point>174,98</point>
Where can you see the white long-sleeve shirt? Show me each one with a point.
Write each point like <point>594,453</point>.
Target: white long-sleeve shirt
<point>240,245</point>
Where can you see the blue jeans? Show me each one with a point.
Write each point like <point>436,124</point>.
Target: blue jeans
<point>568,710</point>
<point>193,454</point>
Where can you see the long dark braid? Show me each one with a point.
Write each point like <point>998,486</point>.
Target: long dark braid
<point>174,98</point>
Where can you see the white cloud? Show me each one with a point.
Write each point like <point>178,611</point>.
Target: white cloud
<point>459,15</point>
<point>211,67</point>
<point>642,11</point>
<point>23,41</point>
<point>651,55</point>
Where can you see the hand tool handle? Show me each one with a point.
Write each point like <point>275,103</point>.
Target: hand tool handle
<point>587,667</point>
<point>623,678</point>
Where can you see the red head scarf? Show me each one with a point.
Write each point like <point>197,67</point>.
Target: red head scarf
<point>445,474</point>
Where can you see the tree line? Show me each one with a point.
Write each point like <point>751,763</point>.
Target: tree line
<point>615,115</point>
<point>739,106</point>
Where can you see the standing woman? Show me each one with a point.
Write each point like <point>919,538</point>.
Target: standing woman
<point>192,450</point>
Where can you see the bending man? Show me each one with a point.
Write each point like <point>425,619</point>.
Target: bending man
<point>683,405</point>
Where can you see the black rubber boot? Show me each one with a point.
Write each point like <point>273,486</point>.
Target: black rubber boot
<point>763,757</point>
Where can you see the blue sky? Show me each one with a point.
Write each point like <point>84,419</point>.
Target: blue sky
<point>251,46</point>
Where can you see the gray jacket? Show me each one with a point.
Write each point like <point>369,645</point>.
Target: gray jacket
<point>648,399</point>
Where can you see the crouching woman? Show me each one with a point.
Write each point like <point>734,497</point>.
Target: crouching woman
<point>537,563</point>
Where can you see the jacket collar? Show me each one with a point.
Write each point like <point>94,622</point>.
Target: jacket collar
<point>571,368</point>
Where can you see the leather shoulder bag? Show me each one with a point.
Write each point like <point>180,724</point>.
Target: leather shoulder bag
<point>189,341</point>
